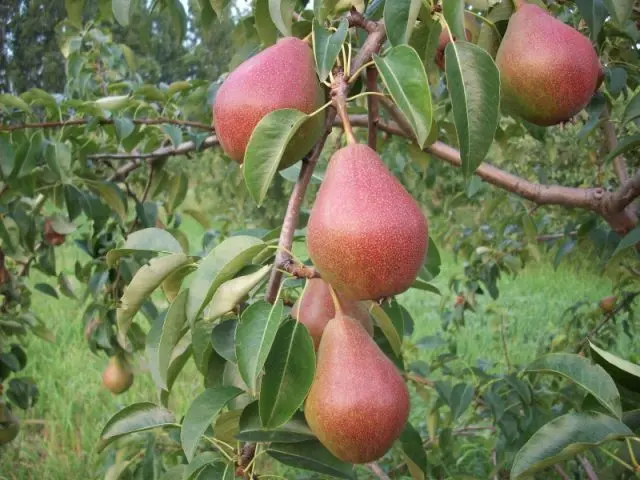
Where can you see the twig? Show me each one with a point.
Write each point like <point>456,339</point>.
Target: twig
<point>298,269</point>
<point>561,472</point>
<point>418,379</point>
<point>339,91</point>
<point>588,468</point>
<point>611,141</point>
<point>377,471</point>
<point>372,106</point>
<point>105,121</point>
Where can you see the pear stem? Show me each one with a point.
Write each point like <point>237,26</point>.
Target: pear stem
<point>336,302</point>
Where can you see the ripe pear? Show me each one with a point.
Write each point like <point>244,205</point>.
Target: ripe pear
<point>444,40</point>
<point>548,70</point>
<point>315,308</point>
<point>281,76</point>
<point>358,403</point>
<point>117,376</point>
<point>366,235</point>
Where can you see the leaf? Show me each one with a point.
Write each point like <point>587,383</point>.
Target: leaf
<point>403,73</point>
<point>11,101</point>
<point>231,292</point>
<point>453,11</point>
<point>563,438</point>
<point>251,429</point>
<point>625,144</point>
<point>220,265</point>
<point>138,417</point>
<point>201,414</point>
<point>460,399</point>
<point>399,18</point>
<point>386,325</point>
<point>310,455</point>
<point>178,188</point>
<point>632,110</point>
<point>474,83</point>
<point>172,284</point>
<point>163,337</point>
<point>629,240</point>
<point>289,372</point>
<point>151,240</point>
<point>581,371</point>
<point>281,12</point>
<point>594,14</point>
<point>620,10</point>
<point>412,446</point>
<point>267,30</point>
<point>121,11</point>
<point>46,289</point>
<point>65,286</point>
<point>622,371</point>
<point>124,127</point>
<point>145,281</point>
<point>111,195</point>
<point>223,339</point>
<point>327,46</point>
<point>254,337</point>
<point>267,145</point>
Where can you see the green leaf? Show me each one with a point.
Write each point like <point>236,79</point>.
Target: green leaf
<point>474,82</point>
<point>310,455</point>
<point>629,240</point>
<point>65,286</point>
<point>145,281</point>
<point>289,372</point>
<point>201,414</point>
<point>138,417</point>
<point>453,11</point>
<point>223,339</point>
<point>254,337</point>
<point>181,355</point>
<point>163,337</point>
<point>111,195</point>
<point>124,127</point>
<point>403,73</point>
<point>622,371</point>
<point>412,445</point>
<point>121,11</point>
<point>625,144</point>
<point>460,399</point>
<point>594,14</point>
<point>74,11</point>
<point>151,240</point>
<point>220,265</point>
<point>251,429</point>
<point>267,30</point>
<point>386,325</point>
<point>178,187</point>
<point>172,284</point>
<point>46,289</point>
<point>582,372</point>
<point>620,10</point>
<point>563,438</point>
<point>327,46</point>
<point>281,12</point>
<point>632,110</point>
<point>399,18</point>
<point>231,292</point>
<point>267,145</point>
<point>11,101</point>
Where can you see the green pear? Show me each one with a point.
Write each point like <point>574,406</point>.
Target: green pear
<point>358,404</point>
<point>117,377</point>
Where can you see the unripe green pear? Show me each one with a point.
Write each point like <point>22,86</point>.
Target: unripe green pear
<point>548,70</point>
<point>366,235</point>
<point>315,308</point>
<point>358,404</point>
<point>117,377</point>
<point>281,76</point>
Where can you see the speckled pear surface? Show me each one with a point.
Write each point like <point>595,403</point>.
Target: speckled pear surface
<point>358,403</point>
<point>117,376</point>
<point>548,70</point>
<point>281,76</point>
<point>315,308</point>
<point>366,235</point>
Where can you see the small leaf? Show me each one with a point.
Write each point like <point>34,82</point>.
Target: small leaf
<point>474,82</point>
<point>453,12</point>
<point>289,372</point>
<point>124,127</point>
<point>251,429</point>
<point>145,281</point>
<point>11,101</point>
<point>281,12</point>
<point>201,414</point>
<point>254,337</point>
<point>231,292</point>
<point>46,289</point>
<point>65,287</point>
<point>162,339</point>
<point>310,455</point>
<point>220,265</point>
<point>412,446</point>
<point>267,30</point>
<point>138,417</point>
<point>629,240</point>
<point>327,46</point>
<point>113,102</point>
<point>111,195</point>
<point>565,437</point>
<point>620,10</point>
<point>399,18</point>
<point>267,145</point>
<point>625,144</point>
<point>622,371</point>
<point>121,11</point>
<point>403,73</point>
<point>152,240</point>
<point>632,110</point>
<point>386,325</point>
<point>460,399</point>
<point>581,371</point>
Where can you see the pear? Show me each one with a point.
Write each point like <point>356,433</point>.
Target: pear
<point>366,235</point>
<point>117,376</point>
<point>358,404</point>
<point>315,308</point>
<point>281,76</point>
<point>548,70</point>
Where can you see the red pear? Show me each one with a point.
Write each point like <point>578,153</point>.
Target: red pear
<point>548,70</point>
<point>366,235</point>
<point>358,404</point>
<point>315,308</point>
<point>281,76</point>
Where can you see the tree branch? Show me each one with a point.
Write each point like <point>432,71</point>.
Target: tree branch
<point>377,471</point>
<point>105,121</point>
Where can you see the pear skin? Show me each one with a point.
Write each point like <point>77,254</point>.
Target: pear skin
<point>117,376</point>
<point>315,308</point>
<point>358,404</point>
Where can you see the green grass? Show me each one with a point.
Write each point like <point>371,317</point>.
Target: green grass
<point>59,434</point>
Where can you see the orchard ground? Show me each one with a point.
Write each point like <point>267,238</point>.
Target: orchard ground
<point>59,434</point>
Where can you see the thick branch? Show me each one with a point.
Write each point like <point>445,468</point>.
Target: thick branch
<point>627,193</point>
<point>104,121</point>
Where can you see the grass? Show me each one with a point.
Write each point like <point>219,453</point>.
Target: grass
<point>59,434</point>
